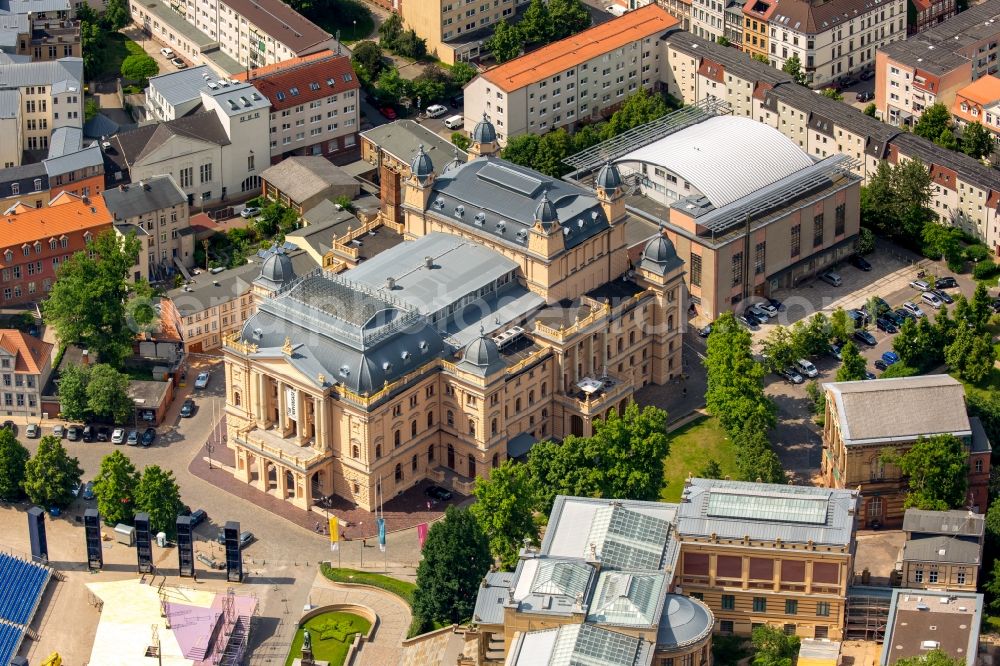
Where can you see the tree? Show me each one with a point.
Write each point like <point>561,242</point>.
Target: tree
<point>460,140</point>
<point>941,241</point>
<point>871,110</point>
<point>811,338</point>
<point>13,456</point>
<point>522,149</point>
<point>937,468</point>
<point>639,108</point>
<point>793,67</point>
<point>73,380</point>
<point>779,349</point>
<point>563,469</point>
<point>116,15</point>
<point>391,87</point>
<point>427,89</point>
<point>139,67</point>
<point>866,241</point>
<point>102,284</point>
<point>504,504</point>
<point>410,45</point>
<point>977,141</point>
<point>772,647</point>
<point>158,495</point>
<point>536,24</point>
<point>935,657</point>
<point>50,475</point>
<point>115,489</point>
<point>506,42</point>
<point>946,139</point>
<point>933,120</point>
<point>461,73</point>
<point>568,17</point>
<point>841,326</point>
<point>993,522</point>
<point>456,556</point>
<point>107,394</point>
<point>722,40</point>
<point>831,93</point>
<point>735,391</point>
<point>390,31</point>
<point>367,59</point>
<point>711,470</point>
<point>630,449</point>
<point>908,344</point>
<point>980,310</point>
<point>971,354</point>
<point>852,366</point>
<point>760,57</point>
<point>878,204</point>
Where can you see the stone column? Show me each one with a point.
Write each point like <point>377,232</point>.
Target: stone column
<point>319,416</point>
<point>261,474</point>
<point>242,466</point>
<point>282,482</point>
<point>300,424</point>
<point>259,404</point>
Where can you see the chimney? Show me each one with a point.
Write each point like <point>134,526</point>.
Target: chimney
<point>429,262</point>
<point>85,357</point>
<point>390,283</point>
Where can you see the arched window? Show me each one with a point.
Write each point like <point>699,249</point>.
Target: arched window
<point>237,398</point>
<point>355,451</point>
<point>621,345</point>
<point>517,405</point>
<point>531,397</point>
<point>395,439</point>
<point>378,451</point>
<point>496,460</point>
<point>545,389</point>
<point>979,465</point>
<point>493,427</point>
<point>413,463</point>
<point>399,472</point>
<point>430,419</point>
<point>413,428</point>
<point>451,418</point>
<point>430,453</point>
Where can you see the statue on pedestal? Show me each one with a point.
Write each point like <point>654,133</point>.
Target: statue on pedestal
<point>307,653</point>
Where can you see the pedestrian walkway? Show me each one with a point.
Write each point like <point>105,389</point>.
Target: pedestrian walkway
<point>394,617</point>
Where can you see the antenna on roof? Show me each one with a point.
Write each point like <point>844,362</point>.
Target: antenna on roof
<point>338,42</point>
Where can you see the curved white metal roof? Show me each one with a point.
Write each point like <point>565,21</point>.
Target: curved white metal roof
<point>725,157</point>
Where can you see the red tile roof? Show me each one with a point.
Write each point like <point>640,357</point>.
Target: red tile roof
<point>310,76</point>
<point>64,214</point>
<point>31,353</point>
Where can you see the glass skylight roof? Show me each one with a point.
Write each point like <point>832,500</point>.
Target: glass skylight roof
<point>626,598</point>
<point>587,645</point>
<point>784,507</point>
<point>565,578</point>
<point>626,539</point>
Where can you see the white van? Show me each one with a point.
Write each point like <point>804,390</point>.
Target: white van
<point>806,368</point>
<point>454,122</point>
<point>436,110</point>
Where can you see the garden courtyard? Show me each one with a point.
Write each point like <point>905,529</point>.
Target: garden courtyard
<point>692,446</point>
<point>332,634</point>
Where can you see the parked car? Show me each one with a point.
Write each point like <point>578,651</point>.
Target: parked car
<point>187,409</point>
<point>860,262</point>
<point>792,375</point>
<point>198,516</point>
<point>167,52</point>
<point>118,436</point>
<point>869,375</point>
<point>202,380</point>
<point>895,318</point>
<point>885,324</point>
<point>388,112</point>
<point>943,296</point>
<point>866,96</point>
<point>761,314</point>
<point>75,489</point>
<point>10,425</point>
<point>436,110</point>
<point>746,322</point>
<point>249,212</point>
<point>768,308</point>
<point>89,433</point>
<point>881,365</point>
<point>103,434</point>
<point>905,314</point>
<point>58,431</point>
<point>73,433</point>
<point>867,75</point>
<point>178,63</point>
<point>133,438</point>
<point>33,431</point>
<point>752,318</point>
<point>921,285</point>
<point>831,278</point>
<point>913,309</point>
<point>148,436</point>
<point>890,357</point>
<point>88,491</point>
<point>931,300</point>
<point>865,337</point>
<point>860,318</point>
<point>776,304</point>
<point>457,101</point>
<point>946,282</point>
<point>806,368</point>
<point>246,538</point>
<point>835,351</point>
<point>438,493</point>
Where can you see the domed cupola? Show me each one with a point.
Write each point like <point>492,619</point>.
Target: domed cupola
<point>276,271</point>
<point>660,256</point>
<point>421,167</point>
<point>545,213</point>
<point>609,179</point>
<point>482,355</point>
<point>484,132</point>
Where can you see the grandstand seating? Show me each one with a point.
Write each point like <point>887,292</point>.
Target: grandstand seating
<point>21,586</point>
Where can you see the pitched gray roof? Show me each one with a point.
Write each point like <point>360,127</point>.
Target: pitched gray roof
<point>183,85</point>
<point>146,196</point>
<point>136,143</point>
<point>304,177</point>
<point>100,126</point>
<point>948,523</point>
<point>402,138</point>
<point>491,597</point>
<point>942,549</point>
<point>24,177</point>
<point>65,140</point>
<point>734,509</point>
<point>87,157</point>
<point>10,103</point>
<point>874,411</point>
<point>62,74</point>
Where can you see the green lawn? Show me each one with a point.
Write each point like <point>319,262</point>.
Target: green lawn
<point>400,588</point>
<point>332,634</point>
<point>353,20</point>
<point>115,48</point>
<point>691,447</point>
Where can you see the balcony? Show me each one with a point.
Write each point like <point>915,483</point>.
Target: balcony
<point>270,444</point>
<point>592,397</point>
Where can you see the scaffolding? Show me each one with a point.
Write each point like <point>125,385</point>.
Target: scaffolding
<point>867,612</point>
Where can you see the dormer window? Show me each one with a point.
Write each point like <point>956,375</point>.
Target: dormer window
<point>53,243</point>
<point>38,247</point>
<point>8,256</point>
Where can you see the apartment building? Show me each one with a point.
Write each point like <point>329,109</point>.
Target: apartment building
<point>215,154</point>
<point>158,207</point>
<point>39,30</point>
<point>72,166</point>
<point>456,30</point>
<point>581,78</point>
<point>734,23</point>
<point>682,10</point>
<point>935,64</point>
<point>708,19</point>
<point>856,432</point>
<point>315,105</point>
<point>919,619</point>
<point>25,365</point>
<point>249,33</point>
<point>925,14</point>
<point>943,549</point>
<point>42,96</point>
<point>35,242</point>
<point>831,39</point>
<point>965,192</point>
<point>979,102</point>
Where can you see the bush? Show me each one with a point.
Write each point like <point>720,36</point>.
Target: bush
<point>460,140</point>
<point>139,67</point>
<point>985,269</point>
<point>866,241</point>
<point>956,265</point>
<point>899,370</point>
<point>976,252</point>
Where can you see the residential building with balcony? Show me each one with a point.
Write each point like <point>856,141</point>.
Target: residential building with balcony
<point>455,30</point>
<point>857,430</point>
<point>935,64</point>
<point>315,105</point>
<point>25,365</point>
<point>943,549</point>
<point>581,78</point>
<point>503,319</point>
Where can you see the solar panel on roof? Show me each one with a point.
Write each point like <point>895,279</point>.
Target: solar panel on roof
<point>510,179</point>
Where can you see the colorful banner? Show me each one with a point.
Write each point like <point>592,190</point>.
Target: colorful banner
<point>334,533</point>
<point>381,534</point>
<point>422,534</point>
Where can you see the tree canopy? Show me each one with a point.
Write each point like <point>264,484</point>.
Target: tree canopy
<point>772,647</point>
<point>504,506</point>
<point>159,496</point>
<point>933,658</point>
<point>977,141</point>
<point>506,42</point>
<point>793,67</point>
<point>853,366</point>
<point>107,394</point>
<point>367,59</point>
<point>895,201</point>
<point>456,556</point>
<point>13,456</point>
<point>934,119</point>
<point>115,487</point>
<point>139,67</point>
<point>51,474</point>
<point>937,470</point>
<point>536,24</point>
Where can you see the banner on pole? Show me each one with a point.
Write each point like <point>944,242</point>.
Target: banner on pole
<point>334,533</point>
<point>422,533</point>
<point>381,534</point>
